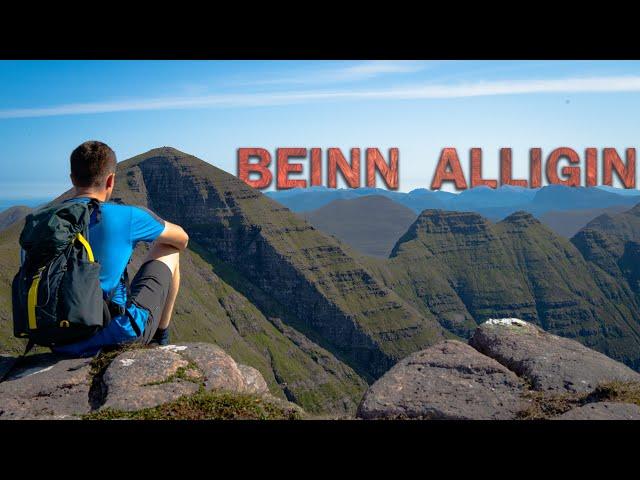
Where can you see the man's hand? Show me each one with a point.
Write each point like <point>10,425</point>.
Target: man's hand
<point>174,236</point>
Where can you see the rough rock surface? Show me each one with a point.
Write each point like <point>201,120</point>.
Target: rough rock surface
<point>149,377</point>
<point>603,411</point>
<point>550,363</point>
<point>47,387</point>
<point>253,380</point>
<point>219,370</point>
<point>494,378</point>
<point>144,378</point>
<point>449,380</point>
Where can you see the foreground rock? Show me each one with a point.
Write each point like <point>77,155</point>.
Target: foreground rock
<point>47,386</point>
<point>603,411</point>
<point>510,370</point>
<point>146,378</point>
<point>449,380</point>
<point>550,363</point>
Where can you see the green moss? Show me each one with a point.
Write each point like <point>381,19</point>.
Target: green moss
<point>182,373</point>
<point>206,406</point>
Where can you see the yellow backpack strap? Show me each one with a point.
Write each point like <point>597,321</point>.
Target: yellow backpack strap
<point>32,300</point>
<point>87,247</point>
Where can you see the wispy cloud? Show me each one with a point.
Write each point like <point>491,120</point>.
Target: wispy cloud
<point>347,72</point>
<point>419,92</point>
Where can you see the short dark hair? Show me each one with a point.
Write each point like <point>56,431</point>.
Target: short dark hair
<point>91,163</point>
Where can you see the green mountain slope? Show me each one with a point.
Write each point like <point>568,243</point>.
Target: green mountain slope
<point>515,268</point>
<point>309,280</point>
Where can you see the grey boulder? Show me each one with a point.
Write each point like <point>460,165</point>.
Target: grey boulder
<point>548,362</point>
<point>149,377</point>
<point>45,386</point>
<point>449,380</point>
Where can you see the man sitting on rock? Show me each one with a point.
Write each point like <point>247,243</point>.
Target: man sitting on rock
<point>113,235</point>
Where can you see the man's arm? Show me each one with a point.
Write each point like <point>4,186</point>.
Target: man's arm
<point>174,236</point>
<point>146,226</point>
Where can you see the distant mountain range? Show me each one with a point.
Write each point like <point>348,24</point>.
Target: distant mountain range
<point>320,320</point>
<point>494,204</point>
<point>568,222</point>
<point>370,224</point>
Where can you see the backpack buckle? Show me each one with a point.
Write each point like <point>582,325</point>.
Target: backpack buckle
<point>117,310</point>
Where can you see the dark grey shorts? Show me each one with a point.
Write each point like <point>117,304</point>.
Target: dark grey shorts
<point>149,290</point>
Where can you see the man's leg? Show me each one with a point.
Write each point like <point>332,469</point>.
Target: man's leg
<point>155,288</point>
<point>165,320</point>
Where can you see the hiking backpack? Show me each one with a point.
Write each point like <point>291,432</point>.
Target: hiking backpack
<point>56,294</point>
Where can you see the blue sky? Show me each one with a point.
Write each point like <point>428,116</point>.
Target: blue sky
<point>210,109</point>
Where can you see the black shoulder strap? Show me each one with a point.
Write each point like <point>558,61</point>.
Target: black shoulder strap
<point>94,207</point>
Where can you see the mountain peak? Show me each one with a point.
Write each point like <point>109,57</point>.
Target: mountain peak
<point>168,153</point>
<point>439,221</point>
<point>521,218</point>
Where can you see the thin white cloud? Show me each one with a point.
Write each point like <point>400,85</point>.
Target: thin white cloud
<point>429,91</point>
<point>345,73</point>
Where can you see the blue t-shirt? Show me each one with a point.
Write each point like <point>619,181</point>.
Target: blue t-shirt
<point>113,239</point>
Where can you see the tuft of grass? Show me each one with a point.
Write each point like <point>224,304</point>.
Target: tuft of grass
<point>206,406</point>
<point>544,405</point>
<point>625,392</point>
<point>101,361</point>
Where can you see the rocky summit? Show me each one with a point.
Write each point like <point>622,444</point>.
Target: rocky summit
<point>488,379</point>
<point>510,370</point>
<point>135,381</point>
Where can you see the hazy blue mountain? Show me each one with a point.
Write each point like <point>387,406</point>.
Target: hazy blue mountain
<point>370,224</point>
<point>505,196</point>
<point>307,199</point>
<point>620,191</point>
<point>6,203</point>
<point>494,204</point>
<point>560,197</point>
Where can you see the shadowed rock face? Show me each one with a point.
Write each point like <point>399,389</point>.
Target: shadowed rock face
<point>46,387</point>
<point>496,377</point>
<point>450,380</point>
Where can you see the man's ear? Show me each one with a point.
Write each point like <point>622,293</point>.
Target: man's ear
<point>111,181</point>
